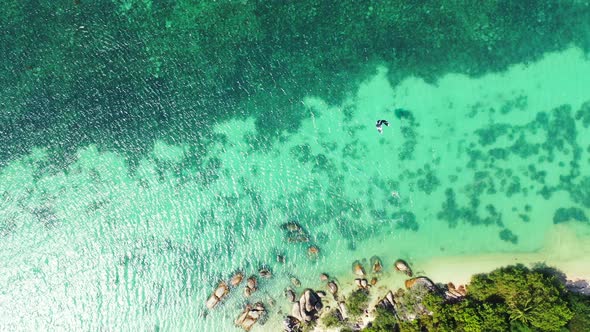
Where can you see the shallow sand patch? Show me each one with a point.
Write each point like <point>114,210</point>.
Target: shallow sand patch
<point>564,249</point>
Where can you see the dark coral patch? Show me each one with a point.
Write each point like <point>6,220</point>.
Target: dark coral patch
<point>405,220</point>
<point>508,236</point>
<point>569,214</point>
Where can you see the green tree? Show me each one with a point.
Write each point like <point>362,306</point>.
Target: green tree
<point>531,297</point>
<point>357,302</point>
<point>331,319</point>
<point>385,321</point>
<point>580,306</point>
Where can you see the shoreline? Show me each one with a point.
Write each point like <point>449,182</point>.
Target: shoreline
<point>563,249</point>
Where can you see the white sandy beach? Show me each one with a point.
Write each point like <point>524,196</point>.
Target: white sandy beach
<point>563,249</point>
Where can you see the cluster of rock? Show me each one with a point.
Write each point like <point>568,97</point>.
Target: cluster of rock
<point>250,315</point>
<point>291,324</point>
<point>422,281</point>
<point>309,306</point>
<point>359,270</point>
<point>388,302</point>
<point>295,233</point>
<point>222,290</point>
<point>376,267</point>
<point>407,305</point>
<point>305,310</point>
<point>363,283</point>
<point>578,286</point>
<point>404,307</point>
<point>376,264</point>
<point>251,286</point>
<point>403,267</point>
<point>333,288</point>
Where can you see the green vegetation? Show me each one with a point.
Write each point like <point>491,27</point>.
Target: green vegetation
<point>531,297</point>
<point>506,296</point>
<point>331,319</point>
<point>513,298</point>
<point>357,302</point>
<point>385,321</point>
<point>580,306</point>
<point>309,326</point>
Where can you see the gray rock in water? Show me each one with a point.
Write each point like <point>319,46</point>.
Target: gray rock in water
<point>248,291</point>
<point>243,315</point>
<point>295,282</point>
<point>221,290</point>
<point>578,286</point>
<point>332,287</point>
<point>304,305</point>
<point>265,273</point>
<point>252,282</point>
<point>212,301</point>
<point>376,264</point>
<point>250,316</point>
<point>309,304</point>
<point>296,311</point>
<point>248,323</point>
<point>236,279</point>
<point>403,266</point>
<point>290,295</point>
<point>358,269</point>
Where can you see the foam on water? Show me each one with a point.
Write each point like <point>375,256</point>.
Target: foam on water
<point>97,244</point>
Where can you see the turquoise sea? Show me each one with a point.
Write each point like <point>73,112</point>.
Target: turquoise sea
<point>150,149</point>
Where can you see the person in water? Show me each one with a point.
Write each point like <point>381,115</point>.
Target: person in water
<point>380,124</point>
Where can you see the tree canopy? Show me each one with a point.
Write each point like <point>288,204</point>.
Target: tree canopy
<point>513,298</point>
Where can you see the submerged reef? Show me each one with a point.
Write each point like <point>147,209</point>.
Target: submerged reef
<point>508,236</point>
<point>550,140</point>
<point>69,82</point>
<point>569,214</point>
<point>121,75</point>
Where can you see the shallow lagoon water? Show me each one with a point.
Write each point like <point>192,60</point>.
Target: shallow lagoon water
<point>469,166</point>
